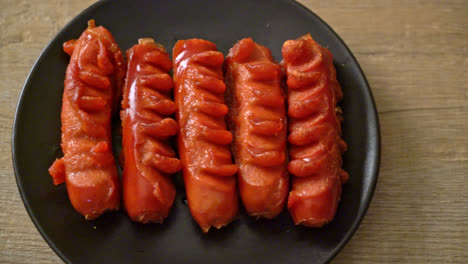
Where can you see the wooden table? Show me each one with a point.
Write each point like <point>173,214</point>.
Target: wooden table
<point>415,56</point>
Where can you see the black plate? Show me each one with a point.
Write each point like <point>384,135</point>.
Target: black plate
<point>113,238</point>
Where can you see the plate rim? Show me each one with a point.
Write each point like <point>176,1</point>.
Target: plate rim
<point>374,120</point>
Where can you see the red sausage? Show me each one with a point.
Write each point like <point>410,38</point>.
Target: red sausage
<point>314,132</point>
<point>146,127</point>
<point>93,78</point>
<point>258,119</point>
<point>203,140</point>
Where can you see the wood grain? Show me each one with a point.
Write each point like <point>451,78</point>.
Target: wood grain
<point>414,54</point>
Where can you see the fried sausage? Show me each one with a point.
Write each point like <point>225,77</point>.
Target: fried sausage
<point>93,78</point>
<point>203,141</point>
<point>258,119</point>
<point>314,132</point>
<point>146,127</point>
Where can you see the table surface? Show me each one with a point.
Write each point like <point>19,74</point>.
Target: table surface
<point>415,56</point>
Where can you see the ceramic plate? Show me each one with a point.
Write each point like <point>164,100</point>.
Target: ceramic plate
<point>113,238</point>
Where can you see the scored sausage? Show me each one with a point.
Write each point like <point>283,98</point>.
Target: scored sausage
<point>258,120</point>
<point>203,141</point>
<point>314,132</point>
<point>148,158</point>
<point>92,82</point>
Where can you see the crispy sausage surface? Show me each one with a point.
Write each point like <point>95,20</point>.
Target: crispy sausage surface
<point>93,78</point>
<point>203,140</point>
<point>146,127</point>
<point>314,132</point>
<point>258,119</point>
